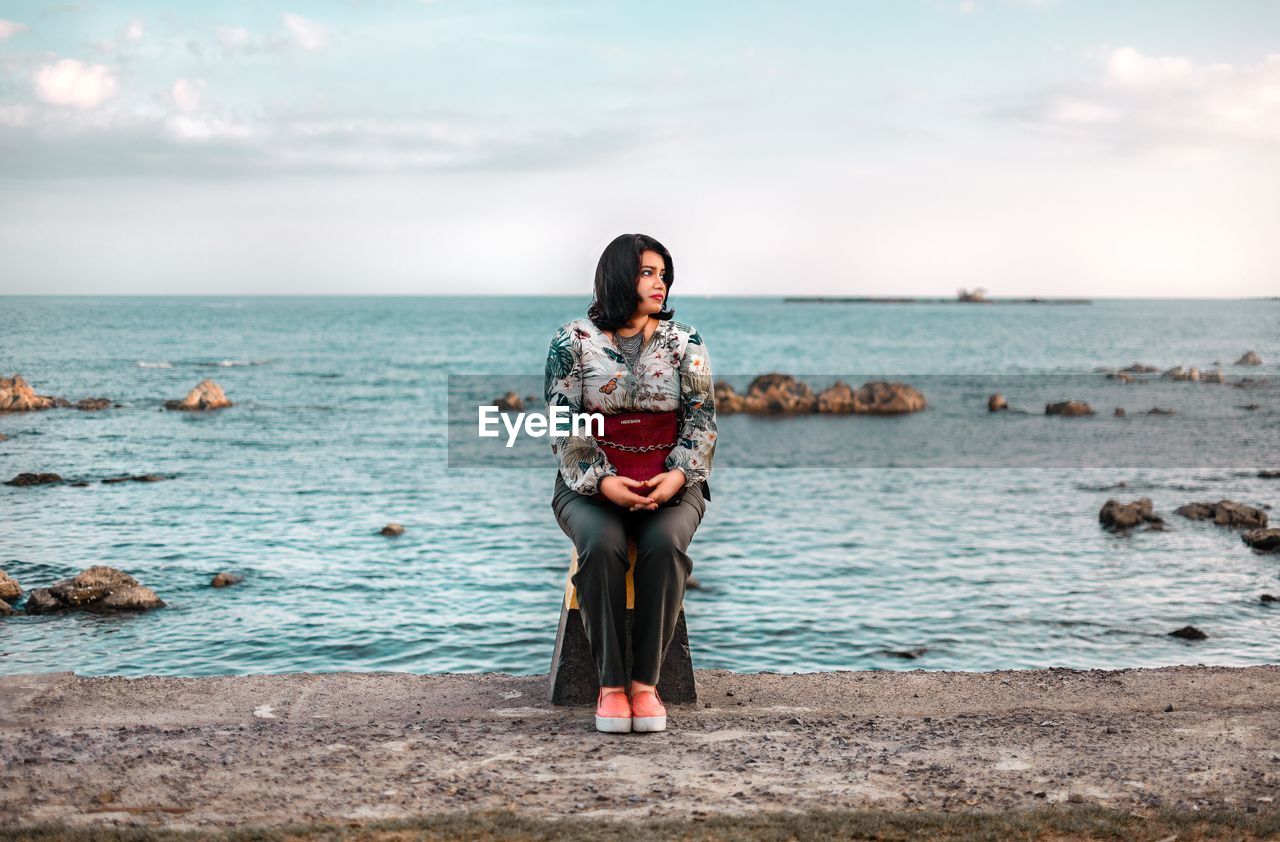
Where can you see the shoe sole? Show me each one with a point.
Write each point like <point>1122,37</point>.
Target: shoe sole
<point>613,724</point>
<point>649,723</point>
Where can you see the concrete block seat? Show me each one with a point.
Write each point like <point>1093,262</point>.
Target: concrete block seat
<point>574,680</point>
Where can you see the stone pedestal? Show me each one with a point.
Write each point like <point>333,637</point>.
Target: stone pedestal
<point>573,671</point>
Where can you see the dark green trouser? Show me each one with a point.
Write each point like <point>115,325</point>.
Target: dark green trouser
<point>599,529</point>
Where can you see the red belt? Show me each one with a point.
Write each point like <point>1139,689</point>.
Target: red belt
<point>637,443</point>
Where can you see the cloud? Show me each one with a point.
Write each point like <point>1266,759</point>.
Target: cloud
<point>133,31</point>
<point>299,33</point>
<point>959,7</point>
<point>15,115</point>
<point>236,40</point>
<point>307,34</point>
<point>1140,100</point>
<point>264,144</point>
<point>71,82</point>
<point>9,28</point>
<point>1129,69</point>
<point>127,38</point>
<point>1080,112</point>
<point>186,93</point>
<point>184,127</point>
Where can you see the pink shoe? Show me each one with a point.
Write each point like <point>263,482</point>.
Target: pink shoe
<point>613,712</point>
<point>647,711</point>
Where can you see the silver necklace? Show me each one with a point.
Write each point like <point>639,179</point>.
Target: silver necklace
<point>630,346</point>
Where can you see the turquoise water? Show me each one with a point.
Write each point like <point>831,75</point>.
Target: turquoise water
<point>340,427</point>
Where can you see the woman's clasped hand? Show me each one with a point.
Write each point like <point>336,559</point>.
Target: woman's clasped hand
<point>647,494</point>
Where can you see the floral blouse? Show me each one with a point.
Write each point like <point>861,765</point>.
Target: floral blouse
<point>672,373</point>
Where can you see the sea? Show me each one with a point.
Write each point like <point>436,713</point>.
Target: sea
<point>949,539</point>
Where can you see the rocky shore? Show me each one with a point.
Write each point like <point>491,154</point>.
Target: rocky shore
<point>16,395</point>
<point>275,749</point>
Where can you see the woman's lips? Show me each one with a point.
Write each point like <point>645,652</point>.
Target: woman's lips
<point>656,297</point>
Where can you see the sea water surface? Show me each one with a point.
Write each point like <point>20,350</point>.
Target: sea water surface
<point>971,559</point>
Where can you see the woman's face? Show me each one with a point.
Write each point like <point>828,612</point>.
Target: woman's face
<point>651,283</point>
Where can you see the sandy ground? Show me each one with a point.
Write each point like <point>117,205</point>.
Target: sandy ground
<point>207,752</point>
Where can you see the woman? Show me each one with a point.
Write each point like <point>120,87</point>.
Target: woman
<point>646,476</point>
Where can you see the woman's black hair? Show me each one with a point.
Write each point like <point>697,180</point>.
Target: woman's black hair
<point>615,290</point>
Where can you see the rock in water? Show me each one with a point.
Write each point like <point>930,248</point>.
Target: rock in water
<point>1192,374</point>
<point>105,587</point>
<point>882,398</point>
<point>40,601</point>
<point>393,529</point>
<point>133,478</point>
<point>836,399</point>
<point>727,400</point>
<point>1265,540</point>
<point>93,404</point>
<point>874,398</point>
<point>1117,515</point>
<point>1189,633</point>
<point>782,394</point>
<point>222,580</point>
<point>908,654</point>
<point>10,590</point>
<point>996,402</point>
<point>1249,358</point>
<point>778,394</point>
<point>99,588</point>
<point>1225,513</point>
<point>1068,408</point>
<point>34,479</point>
<point>17,396</point>
<point>510,402</point>
<point>206,395</point>
<point>1177,373</point>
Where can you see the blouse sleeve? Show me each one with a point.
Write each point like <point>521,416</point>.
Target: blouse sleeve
<point>697,440</point>
<point>582,462</point>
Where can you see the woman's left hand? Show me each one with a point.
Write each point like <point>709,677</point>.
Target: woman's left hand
<point>665,486</point>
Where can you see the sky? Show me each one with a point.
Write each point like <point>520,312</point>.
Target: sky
<point>852,147</point>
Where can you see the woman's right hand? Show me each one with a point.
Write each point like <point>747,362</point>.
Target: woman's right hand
<point>618,490</point>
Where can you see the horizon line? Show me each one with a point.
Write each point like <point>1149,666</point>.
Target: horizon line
<point>853,298</point>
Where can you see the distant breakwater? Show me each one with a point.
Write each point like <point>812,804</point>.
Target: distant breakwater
<point>819,299</point>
